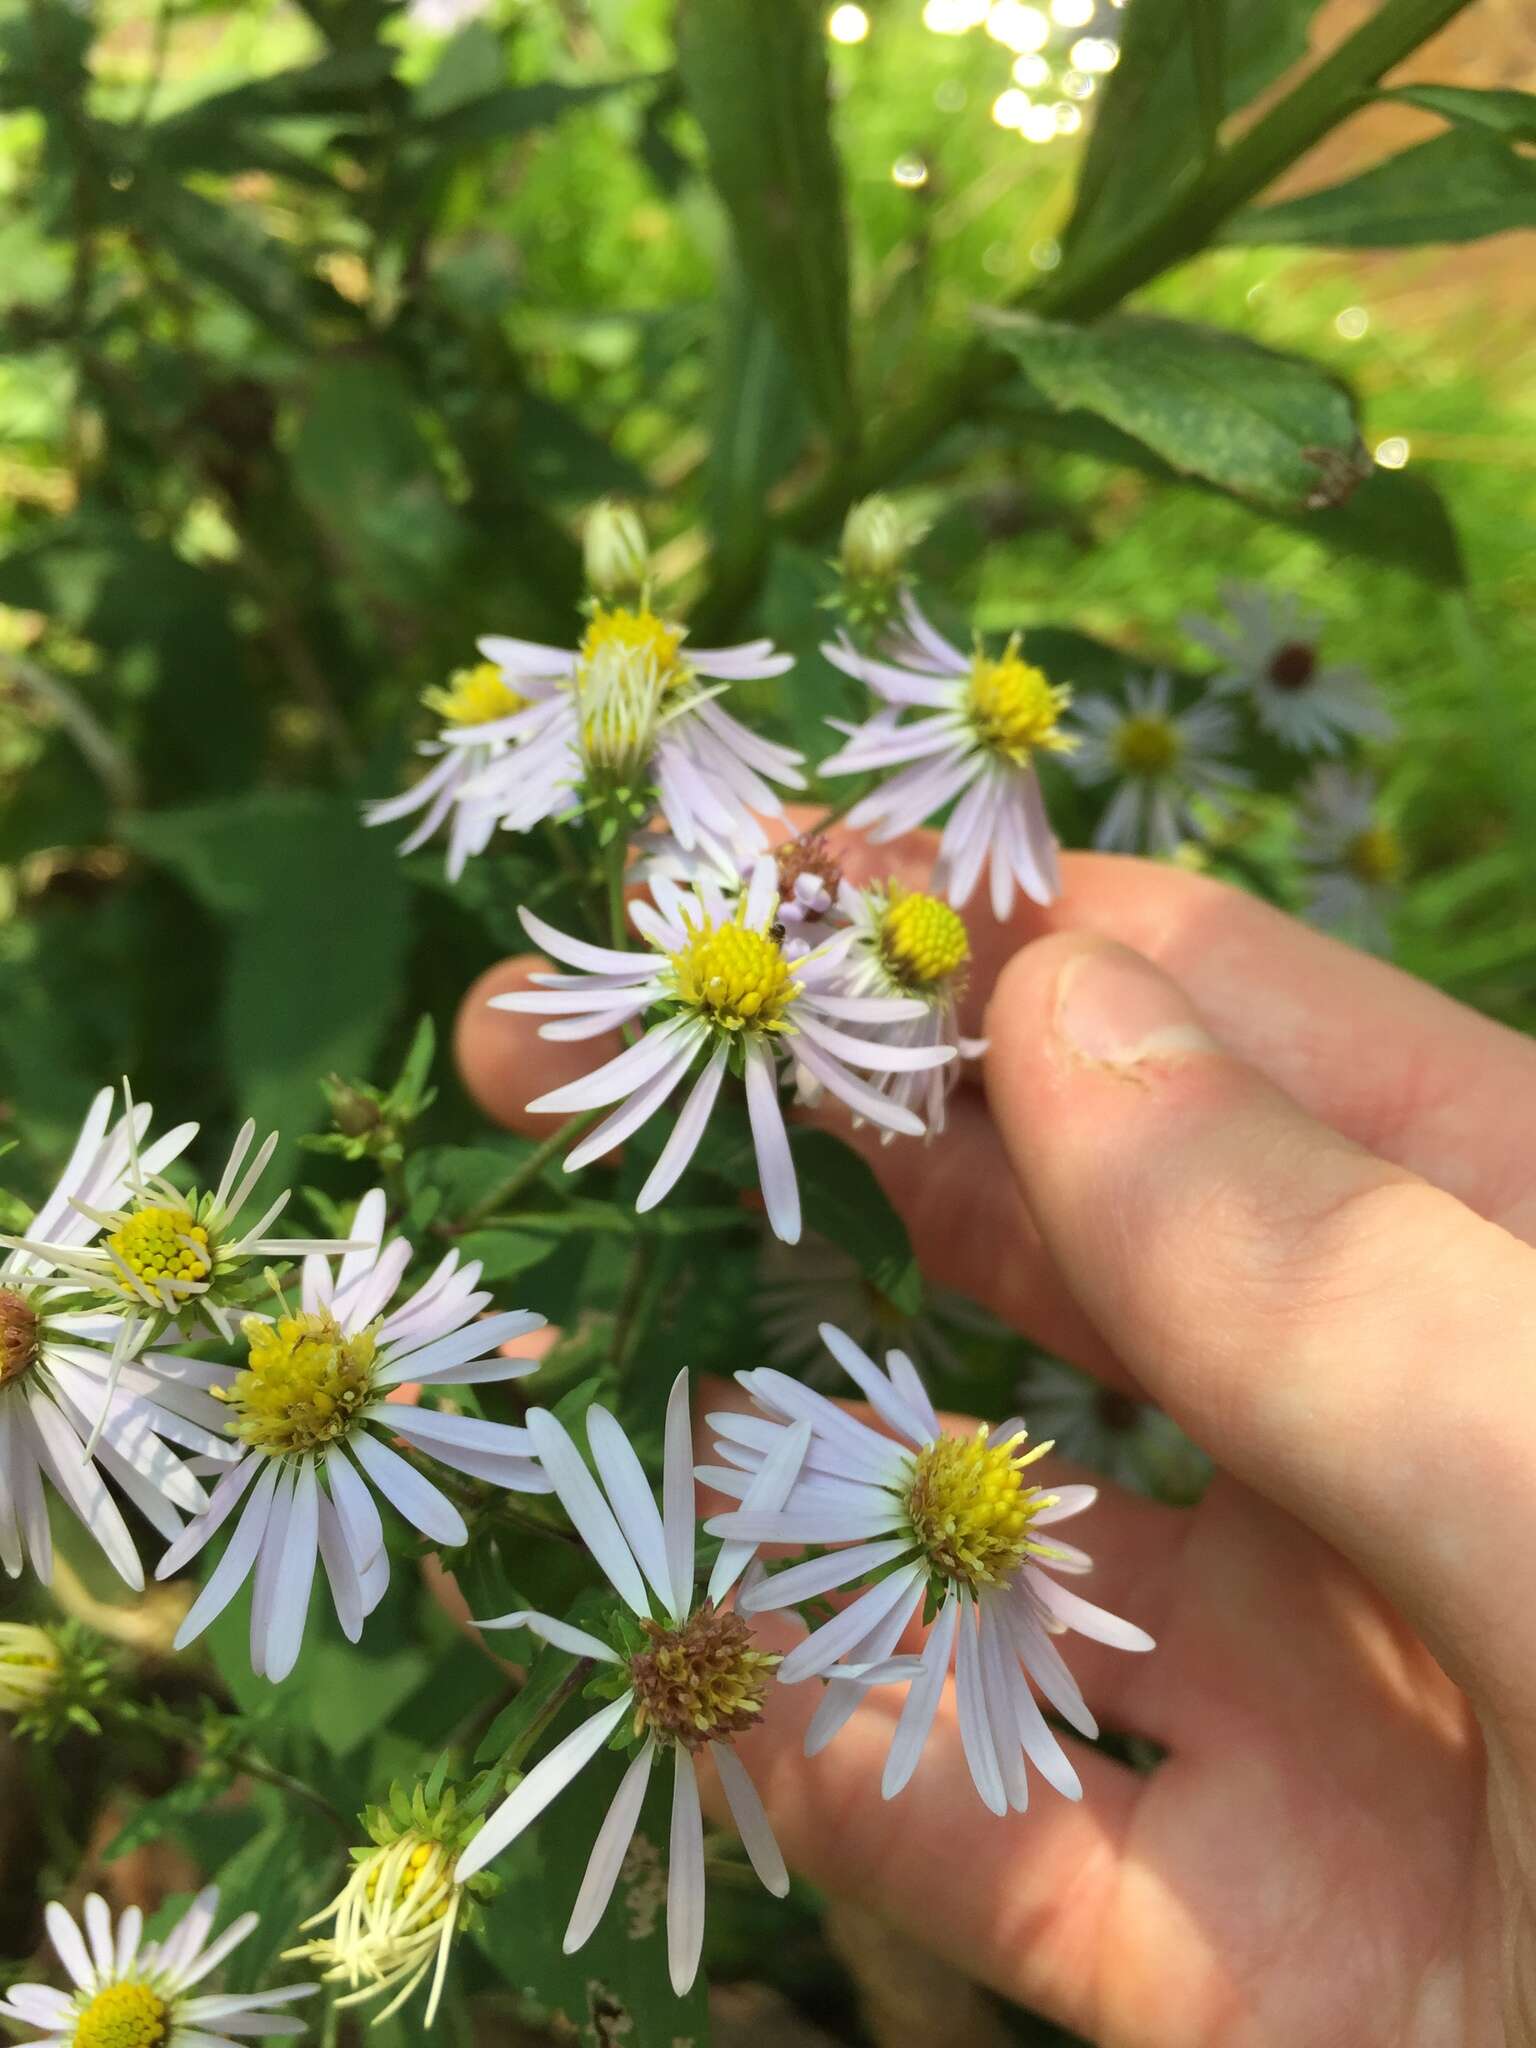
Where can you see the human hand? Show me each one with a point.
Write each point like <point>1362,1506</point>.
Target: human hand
<point>1286,1192</point>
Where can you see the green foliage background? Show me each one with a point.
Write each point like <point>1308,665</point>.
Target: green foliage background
<point>322,330</point>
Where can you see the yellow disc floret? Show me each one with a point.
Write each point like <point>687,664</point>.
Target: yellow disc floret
<point>1145,744</point>
<point>922,940</point>
<point>161,1251</point>
<point>701,1681</point>
<point>18,1335</point>
<point>474,696</point>
<point>635,632</point>
<point>738,979</point>
<point>971,1508</point>
<point>1015,708</point>
<point>421,1888</point>
<point>123,2016</point>
<point>1375,856</point>
<point>306,1383</point>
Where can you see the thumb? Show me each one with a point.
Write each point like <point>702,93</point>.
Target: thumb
<point>1344,1337</point>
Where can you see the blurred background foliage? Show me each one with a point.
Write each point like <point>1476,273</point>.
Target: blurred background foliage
<point>324,322</point>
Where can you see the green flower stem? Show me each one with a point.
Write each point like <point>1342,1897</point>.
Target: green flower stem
<point>512,1757</point>
<point>162,1720</point>
<point>1195,208</point>
<point>614,862</point>
<point>527,1173</point>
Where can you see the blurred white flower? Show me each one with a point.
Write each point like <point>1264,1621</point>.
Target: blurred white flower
<point>802,1286</point>
<point>474,699</point>
<point>1355,859</point>
<point>991,717</point>
<point>132,1993</point>
<point>1272,654</point>
<point>691,1679</point>
<point>444,17</point>
<point>314,1397</point>
<point>950,1522</point>
<point>1126,1440</point>
<point>1161,759</point>
<point>731,996</point>
<point>908,946</point>
<point>76,1408</point>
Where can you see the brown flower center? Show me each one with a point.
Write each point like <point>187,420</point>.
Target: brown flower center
<point>1293,666</point>
<point>810,854</point>
<point>18,1335</point>
<point>701,1681</point>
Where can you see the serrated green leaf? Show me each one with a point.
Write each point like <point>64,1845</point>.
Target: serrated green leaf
<point>755,78</point>
<point>1456,187</point>
<point>1270,428</point>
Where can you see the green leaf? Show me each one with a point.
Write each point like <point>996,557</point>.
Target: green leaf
<point>1511,114</point>
<point>510,110</point>
<point>841,1199</point>
<point>220,245</point>
<point>1454,188</point>
<point>1183,67</point>
<point>755,77</point>
<point>345,82</point>
<point>756,429</point>
<point>316,909</point>
<point>1270,428</point>
<point>363,464</point>
<point>1393,516</point>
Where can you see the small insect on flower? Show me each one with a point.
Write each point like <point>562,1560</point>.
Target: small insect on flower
<point>132,1993</point>
<point>1272,654</point>
<point>401,1909</point>
<point>687,1673</point>
<point>77,1407</point>
<point>909,946</point>
<point>952,1524</point>
<point>992,718</point>
<point>310,1415</point>
<point>1161,762</point>
<point>726,991</point>
<point>1355,858</point>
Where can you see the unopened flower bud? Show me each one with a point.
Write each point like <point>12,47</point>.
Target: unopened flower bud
<point>354,1111</point>
<point>30,1664</point>
<point>877,538</point>
<point>618,561</point>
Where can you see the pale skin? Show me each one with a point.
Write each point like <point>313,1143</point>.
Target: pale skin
<point>1288,1193</point>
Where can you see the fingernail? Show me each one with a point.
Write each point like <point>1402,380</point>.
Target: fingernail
<point>1115,1009</point>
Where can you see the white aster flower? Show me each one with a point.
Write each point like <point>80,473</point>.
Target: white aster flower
<point>911,946</point>
<point>475,698</point>
<point>311,1417</point>
<point>802,1286</point>
<point>76,1409</point>
<point>1272,654</point>
<point>809,876</point>
<point>1127,1440</point>
<point>627,714</point>
<point>690,1678</point>
<point>161,1255</point>
<point>949,1521</point>
<point>1355,858</point>
<point>990,718</point>
<point>132,1993</point>
<point>1163,761</point>
<point>730,995</point>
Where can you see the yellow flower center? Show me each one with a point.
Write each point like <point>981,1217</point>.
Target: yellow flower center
<point>163,1250</point>
<point>474,696</point>
<point>425,1875</point>
<point>640,632</point>
<point>123,2016</point>
<point>305,1385</point>
<point>1375,856</point>
<point>1015,708</point>
<point>18,1335</point>
<point>701,1681</point>
<point>1145,744</point>
<point>971,1508</point>
<point>738,979</point>
<point>923,940</point>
